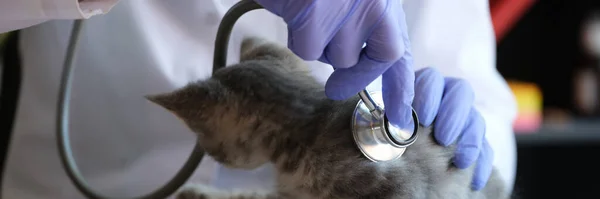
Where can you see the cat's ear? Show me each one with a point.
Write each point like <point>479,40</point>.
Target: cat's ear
<point>191,96</point>
<point>170,101</point>
<point>249,48</point>
<point>255,48</point>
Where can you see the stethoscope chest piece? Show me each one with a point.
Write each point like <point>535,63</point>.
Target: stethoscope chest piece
<point>377,139</point>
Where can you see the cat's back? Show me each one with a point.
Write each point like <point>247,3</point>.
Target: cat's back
<point>337,169</point>
<point>333,166</point>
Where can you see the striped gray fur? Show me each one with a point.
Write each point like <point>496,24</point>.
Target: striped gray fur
<point>269,109</point>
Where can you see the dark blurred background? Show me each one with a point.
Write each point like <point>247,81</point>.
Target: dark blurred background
<point>548,51</point>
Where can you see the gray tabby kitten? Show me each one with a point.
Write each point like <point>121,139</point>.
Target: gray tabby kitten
<point>269,109</point>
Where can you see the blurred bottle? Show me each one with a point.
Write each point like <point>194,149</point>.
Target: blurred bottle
<point>529,103</point>
<point>591,36</point>
<point>587,81</point>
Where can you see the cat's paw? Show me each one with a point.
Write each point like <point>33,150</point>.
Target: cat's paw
<point>198,191</point>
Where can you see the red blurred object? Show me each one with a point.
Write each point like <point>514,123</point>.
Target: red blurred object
<point>505,13</point>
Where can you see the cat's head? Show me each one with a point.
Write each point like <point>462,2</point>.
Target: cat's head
<point>216,116</point>
<point>239,105</point>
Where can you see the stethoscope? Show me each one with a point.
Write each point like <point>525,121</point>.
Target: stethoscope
<point>374,136</point>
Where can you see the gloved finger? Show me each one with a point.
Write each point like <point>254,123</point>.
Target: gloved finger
<point>398,81</point>
<point>308,35</point>
<point>469,144</point>
<point>398,93</point>
<point>346,82</point>
<point>344,49</point>
<point>454,110</point>
<point>429,89</point>
<point>306,43</point>
<point>483,170</point>
<point>388,41</point>
<point>324,59</point>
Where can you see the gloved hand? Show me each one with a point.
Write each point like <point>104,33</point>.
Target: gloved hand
<point>334,31</point>
<point>450,102</point>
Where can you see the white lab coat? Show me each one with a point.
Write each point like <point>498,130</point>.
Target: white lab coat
<point>127,146</point>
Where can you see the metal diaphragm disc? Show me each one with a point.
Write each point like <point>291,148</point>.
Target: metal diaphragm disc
<point>370,133</point>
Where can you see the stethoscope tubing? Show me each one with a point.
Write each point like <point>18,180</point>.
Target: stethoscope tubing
<point>62,119</point>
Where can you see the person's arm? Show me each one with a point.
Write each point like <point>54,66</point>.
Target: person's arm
<point>18,14</point>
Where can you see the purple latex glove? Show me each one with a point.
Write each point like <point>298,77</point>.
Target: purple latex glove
<point>334,31</point>
<point>450,102</point>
